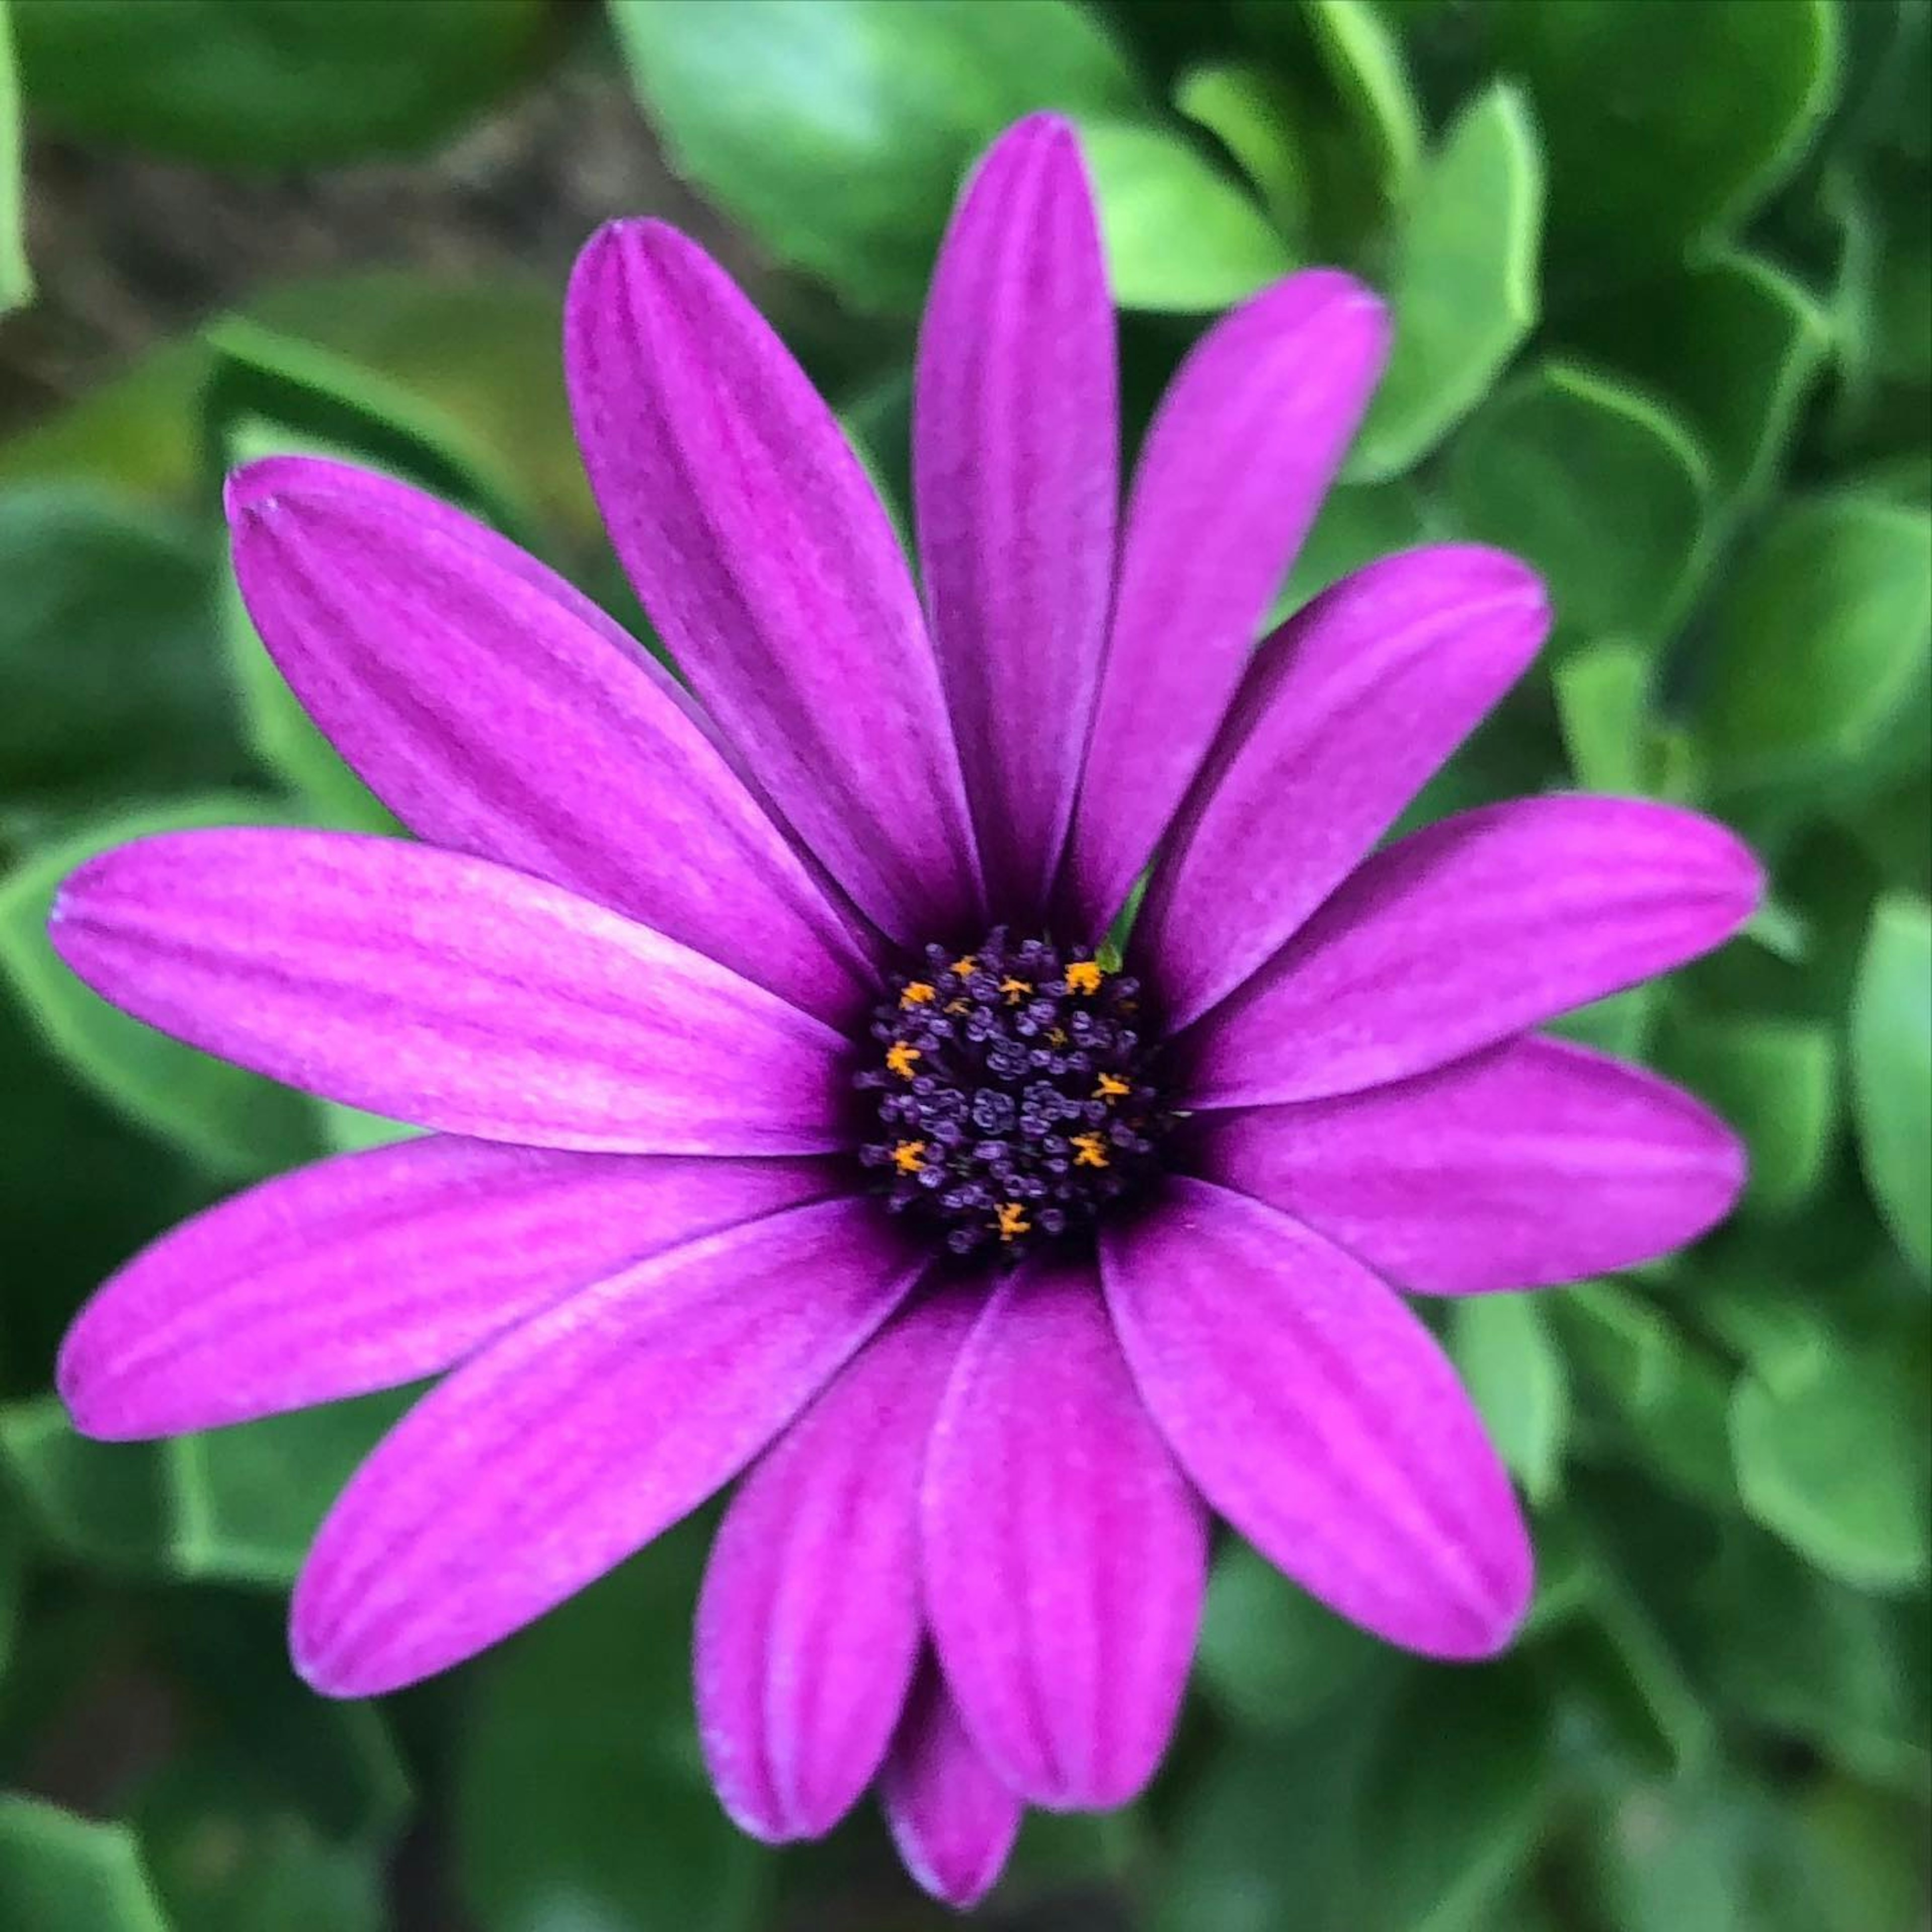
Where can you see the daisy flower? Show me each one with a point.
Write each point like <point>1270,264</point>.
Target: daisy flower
<point>789,1118</point>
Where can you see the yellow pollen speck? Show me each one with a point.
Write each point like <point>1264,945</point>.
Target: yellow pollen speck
<point>966,968</point>
<point>1084,976</point>
<point>909,1157</point>
<point>1112,1087</point>
<point>1015,990</point>
<point>1009,1217</point>
<point>958,1006</point>
<point>899,1058</point>
<point>1093,1151</point>
<point>917,993</point>
<point>1056,1035</point>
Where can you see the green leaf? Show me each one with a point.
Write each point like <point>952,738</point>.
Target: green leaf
<point>1731,343</point>
<point>1366,68</point>
<point>1178,236</point>
<point>1596,488</point>
<point>1892,1071</point>
<point>1603,700</point>
<point>62,1873</point>
<point>1777,1082</point>
<point>1514,1371</point>
<point>1354,527</point>
<point>1252,116</point>
<point>1443,1831</point>
<point>1271,1655</point>
<point>1668,121</point>
<point>109,683</point>
<point>1817,673</point>
<point>595,1700</point>
<point>17,279</point>
<point>103,1504</point>
<point>1835,1462</point>
<point>836,131</point>
<point>1463,283</point>
<point>234,1121</point>
<point>268,84</point>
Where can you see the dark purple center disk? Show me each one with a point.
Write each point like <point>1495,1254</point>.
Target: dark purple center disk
<point>1014,1103</point>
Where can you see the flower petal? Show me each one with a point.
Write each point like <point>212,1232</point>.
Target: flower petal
<point>1320,1418</point>
<point>1016,478</point>
<point>1240,453</point>
<point>768,566</point>
<point>448,992</point>
<point>574,1439</point>
<point>1534,1162</point>
<point>1066,1556</point>
<point>1343,714</point>
<point>497,711</point>
<point>1466,932</point>
<point>370,1269</point>
<point>809,1625</point>
<point>954,1822</point>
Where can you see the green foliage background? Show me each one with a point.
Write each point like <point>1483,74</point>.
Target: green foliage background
<point>1663,281</point>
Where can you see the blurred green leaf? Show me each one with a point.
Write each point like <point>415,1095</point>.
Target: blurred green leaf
<point>836,131</point>
<point>1641,160</point>
<point>1776,1081</point>
<point>1818,662</point>
<point>110,683</point>
<point>62,1873</point>
<point>1355,526</point>
<point>1247,111</point>
<point>1463,283</point>
<point>1514,1371</point>
<point>1366,68</point>
<point>17,279</point>
<point>595,1699</point>
<point>1452,1799</point>
<point>1603,696</point>
<point>1731,343</point>
<point>1269,1654</point>
<point>234,1121</point>
<point>1595,486</point>
<point>224,1861</point>
<point>1835,1462</point>
<point>105,1504</point>
<point>267,84</point>
<point>1892,1071</point>
<point>1178,236</point>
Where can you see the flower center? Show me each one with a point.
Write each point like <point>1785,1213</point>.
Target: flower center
<point>1014,1102</point>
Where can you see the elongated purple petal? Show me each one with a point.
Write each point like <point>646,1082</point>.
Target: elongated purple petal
<point>1534,1162</point>
<point>1066,1556</point>
<point>571,1441</point>
<point>497,711</point>
<point>809,1625</point>
<point>1344,714</point>
<point>1465,933</point>
<point>1240,454</point>
<point>954,1822</point>
<point>1320,1418</point>
<point>447,991</point>
<point>1016,479</point>
<point>769,567</point>
<point>373,1269</point>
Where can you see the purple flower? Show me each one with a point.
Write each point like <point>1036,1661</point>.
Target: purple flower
<point>787,1118</point>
